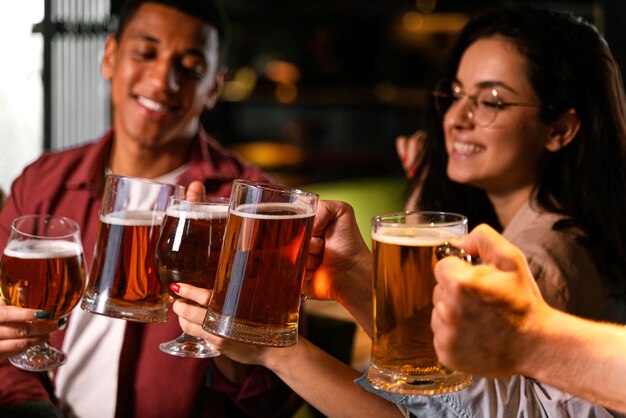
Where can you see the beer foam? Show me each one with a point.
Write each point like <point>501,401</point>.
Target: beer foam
<point>133,218</point>
<point>412,236</point>
<point>199,211</point>
<point>243,211</point>
<point>42,249</point>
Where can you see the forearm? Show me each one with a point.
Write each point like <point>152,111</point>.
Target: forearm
<point>582,357</point>
<point>326,383</point>
<point>358,298</point>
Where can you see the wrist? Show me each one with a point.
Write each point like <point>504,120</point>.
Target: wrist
<point>355,293</point>
<point>277,359</point>
<point>535,340</point>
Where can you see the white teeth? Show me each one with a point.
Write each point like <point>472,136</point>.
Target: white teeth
<point>151,104</point>
<point>465,148</point>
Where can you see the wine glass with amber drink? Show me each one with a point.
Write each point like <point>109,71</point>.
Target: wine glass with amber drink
<point>42,268</point>
<point>188,251</point>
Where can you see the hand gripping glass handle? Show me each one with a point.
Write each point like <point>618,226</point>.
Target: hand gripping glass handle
<point>446,249</point>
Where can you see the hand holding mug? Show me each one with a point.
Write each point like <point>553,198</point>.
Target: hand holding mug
<point>339,265</point>
<point>256,298</point>
<point>480,310</point>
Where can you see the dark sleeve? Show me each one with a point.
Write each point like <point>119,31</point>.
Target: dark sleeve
<point>30,409</point>
<point>262,393</point>
<point>10,211</point>
<point>31,192</point>
<point>17,386</point>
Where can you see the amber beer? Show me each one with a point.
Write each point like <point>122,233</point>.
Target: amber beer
<point>46,275</point>
<point>403,359</point>
<point>256,297</point>
<point>190,245</point>
<point>123,281</point>
<point>42,267</point>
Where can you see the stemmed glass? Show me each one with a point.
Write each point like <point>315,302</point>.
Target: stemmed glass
<point>42,268</point>
<point>188,251</point>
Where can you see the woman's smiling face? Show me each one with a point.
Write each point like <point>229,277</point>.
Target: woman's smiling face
<point>505,155</point>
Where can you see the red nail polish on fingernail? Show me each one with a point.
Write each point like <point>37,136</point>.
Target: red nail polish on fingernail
<point>175,287</point>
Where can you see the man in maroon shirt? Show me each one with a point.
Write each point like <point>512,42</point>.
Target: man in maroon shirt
<point>164,68</point>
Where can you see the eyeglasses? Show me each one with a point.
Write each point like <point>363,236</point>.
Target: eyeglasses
<point>483,105</point>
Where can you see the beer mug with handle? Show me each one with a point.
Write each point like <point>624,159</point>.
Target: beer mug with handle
<point>256,297</point>
<point>123,280</point>
<point>406,247</point>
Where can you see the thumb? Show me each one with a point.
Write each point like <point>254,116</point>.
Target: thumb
<point>492,248</point>
<point>195,191</point>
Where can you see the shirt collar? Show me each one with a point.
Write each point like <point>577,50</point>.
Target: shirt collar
<point>208,160</point>
<point>90,172</point>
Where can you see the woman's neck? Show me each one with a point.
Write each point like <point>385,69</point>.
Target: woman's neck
<point>508,204</point>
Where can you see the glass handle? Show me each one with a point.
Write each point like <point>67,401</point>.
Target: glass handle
<point>446,249</point>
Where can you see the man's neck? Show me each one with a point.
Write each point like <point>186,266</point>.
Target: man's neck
<point>131,159</point>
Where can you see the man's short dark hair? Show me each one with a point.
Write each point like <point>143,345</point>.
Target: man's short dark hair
<point>209,11</point>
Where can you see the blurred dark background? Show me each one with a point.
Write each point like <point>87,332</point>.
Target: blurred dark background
<point>317,90</point>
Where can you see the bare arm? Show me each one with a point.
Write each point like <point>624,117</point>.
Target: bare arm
<point>491,320</point>
<point>340,264</point>
<point>582,357</point>
<point>320,379</point>
<point>326,383</point>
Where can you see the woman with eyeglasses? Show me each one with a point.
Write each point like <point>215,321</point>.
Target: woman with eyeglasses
<point>529,137</point>
<point>531,140</point>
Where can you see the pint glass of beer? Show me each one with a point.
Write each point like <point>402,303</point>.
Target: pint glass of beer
<point>123,280</point>
<point>405,247</point>
<point>188,251</point>
<point>43,268</point>
<point>256,298</point>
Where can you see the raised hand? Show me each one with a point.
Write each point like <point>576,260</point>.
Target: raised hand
<point>340,264</point>
<point>191,316</point>
<point>481,312</point>
<point>409,149</point>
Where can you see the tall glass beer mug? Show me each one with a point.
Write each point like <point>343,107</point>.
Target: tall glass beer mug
<point>405,247</point>
<point>43,268</point>
<point>188,251</point>
<point>123,280</point>
<point>256,298</point>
